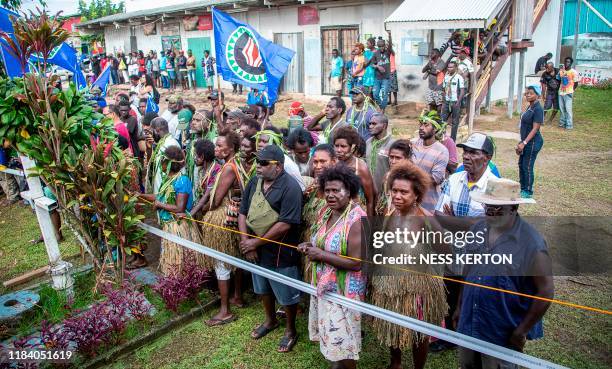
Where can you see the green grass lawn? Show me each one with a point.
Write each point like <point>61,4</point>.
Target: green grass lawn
<point>18,225</point>
<point>572,178</point>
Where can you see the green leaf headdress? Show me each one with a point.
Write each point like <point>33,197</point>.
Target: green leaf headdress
<point>275,138</point>
<point>434,119</point>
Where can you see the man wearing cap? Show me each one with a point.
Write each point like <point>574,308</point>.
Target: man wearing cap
<point>272,137</point>
<point>495,316</point>
<point>234,120</point>
<point>175,104</point>
<point>456,200</point>
<point>360,112</point>
<point>271,208</point>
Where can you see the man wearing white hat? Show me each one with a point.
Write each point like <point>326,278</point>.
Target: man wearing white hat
<point>490,314</point>
<point>456,200</point>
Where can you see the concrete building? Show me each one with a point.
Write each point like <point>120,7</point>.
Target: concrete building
<point>313,29</point>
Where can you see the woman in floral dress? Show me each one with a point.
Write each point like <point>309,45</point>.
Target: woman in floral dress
<point>335,251</point>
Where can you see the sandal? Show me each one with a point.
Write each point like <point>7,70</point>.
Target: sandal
<point>286,344</point>
<point>215,322</point>
<point>262,331</point>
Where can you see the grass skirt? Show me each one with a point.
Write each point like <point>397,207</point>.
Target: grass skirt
<point>310,216</point>
<point>174,256</point>
<point>219,239</point>
<point>416,296</point>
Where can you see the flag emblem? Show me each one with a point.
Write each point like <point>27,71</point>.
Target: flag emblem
<point>243,56</point>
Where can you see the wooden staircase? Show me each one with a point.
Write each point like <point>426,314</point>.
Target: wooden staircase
<point>489,68</point>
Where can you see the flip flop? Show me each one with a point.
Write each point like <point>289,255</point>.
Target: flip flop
<point>287,343</point>
<point>262,331</point>
<point>214,322</point>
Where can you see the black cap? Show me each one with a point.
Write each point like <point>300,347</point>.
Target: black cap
<point>271,152</point>
<point>215,95</point>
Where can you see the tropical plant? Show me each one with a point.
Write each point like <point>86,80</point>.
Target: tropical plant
<point>73,147</point>
<point>99,8</point>
<point>180,286</point>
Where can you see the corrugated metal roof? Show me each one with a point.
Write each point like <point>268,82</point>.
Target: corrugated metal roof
<point>158,11</point>
<point>445,10</point>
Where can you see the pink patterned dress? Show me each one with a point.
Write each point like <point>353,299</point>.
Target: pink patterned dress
<point>336,328</point>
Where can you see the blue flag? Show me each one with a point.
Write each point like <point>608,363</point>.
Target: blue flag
<point>151,105</point>
<point>63,56</point>
<point>103,80</point>
<point>13,69</point>
<point>244,57</point>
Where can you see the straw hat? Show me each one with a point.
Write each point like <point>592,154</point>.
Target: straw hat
<point>501,191</point>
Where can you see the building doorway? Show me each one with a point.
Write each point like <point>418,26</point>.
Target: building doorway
<point>342,38</point>
<point>197,45</point>
<point>293,81</point>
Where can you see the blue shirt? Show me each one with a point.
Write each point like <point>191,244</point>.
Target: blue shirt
<point>259,98</point>
<point>337,64</point>
<point>162,63</point>
<point>532,115</point>
<point>181,185</point>
<point>491,315</point>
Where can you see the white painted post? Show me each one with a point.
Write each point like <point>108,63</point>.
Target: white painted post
<point>59,269</point>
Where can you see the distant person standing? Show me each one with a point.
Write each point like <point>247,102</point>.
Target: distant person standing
<point>454,90</point>
<point>335,74</point>
<point>209,71</point>
<point>155,69</point>
<point>434,72</point>
<point>181,65</point>
<point>569,83</point>
<point>550,87</point>
<point>531,139</point>
<point>191,70</point>
<point>541,63</point>
<point>382,71</point>
<point>171,67</point>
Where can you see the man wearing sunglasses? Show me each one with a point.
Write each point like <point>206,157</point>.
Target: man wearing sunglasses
<point>492,315</point>
<point>271,208</point>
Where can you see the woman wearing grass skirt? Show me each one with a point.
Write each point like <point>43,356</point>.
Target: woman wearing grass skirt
<point>411,294</point>
<point>217,225</point>
<point>175,196</point>
<point>335,252</point>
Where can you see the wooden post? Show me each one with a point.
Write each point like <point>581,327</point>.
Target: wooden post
<point>576,31</point>
<point>473,84</point>
<point>560,32</point>
<point>521,82</point>
<point>511,84</point>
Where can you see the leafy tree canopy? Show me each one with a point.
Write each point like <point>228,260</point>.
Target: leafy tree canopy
<point>97,8</point>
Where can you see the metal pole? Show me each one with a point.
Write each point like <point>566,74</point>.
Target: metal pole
<point>473,84</point>
<point>576,31</point>
<point>560,31</point>
<point>511,85</point>
<point>521,82</point>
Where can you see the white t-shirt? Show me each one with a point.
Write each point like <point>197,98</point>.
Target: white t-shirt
<point>157,180</point>
<point>172,120</point>
<point>294,171</point>
<point>452,85</point>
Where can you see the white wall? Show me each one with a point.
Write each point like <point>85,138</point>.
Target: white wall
<point>544,41</point>
<point>369,17</point>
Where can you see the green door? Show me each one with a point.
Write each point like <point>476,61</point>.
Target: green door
<point>197,45</point>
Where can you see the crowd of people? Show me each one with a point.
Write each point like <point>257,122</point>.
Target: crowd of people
<point>310,186</point>
<point>172,68</point>
<point>294,200</point>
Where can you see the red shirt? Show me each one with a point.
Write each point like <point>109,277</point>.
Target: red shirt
<point>141,65</point>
